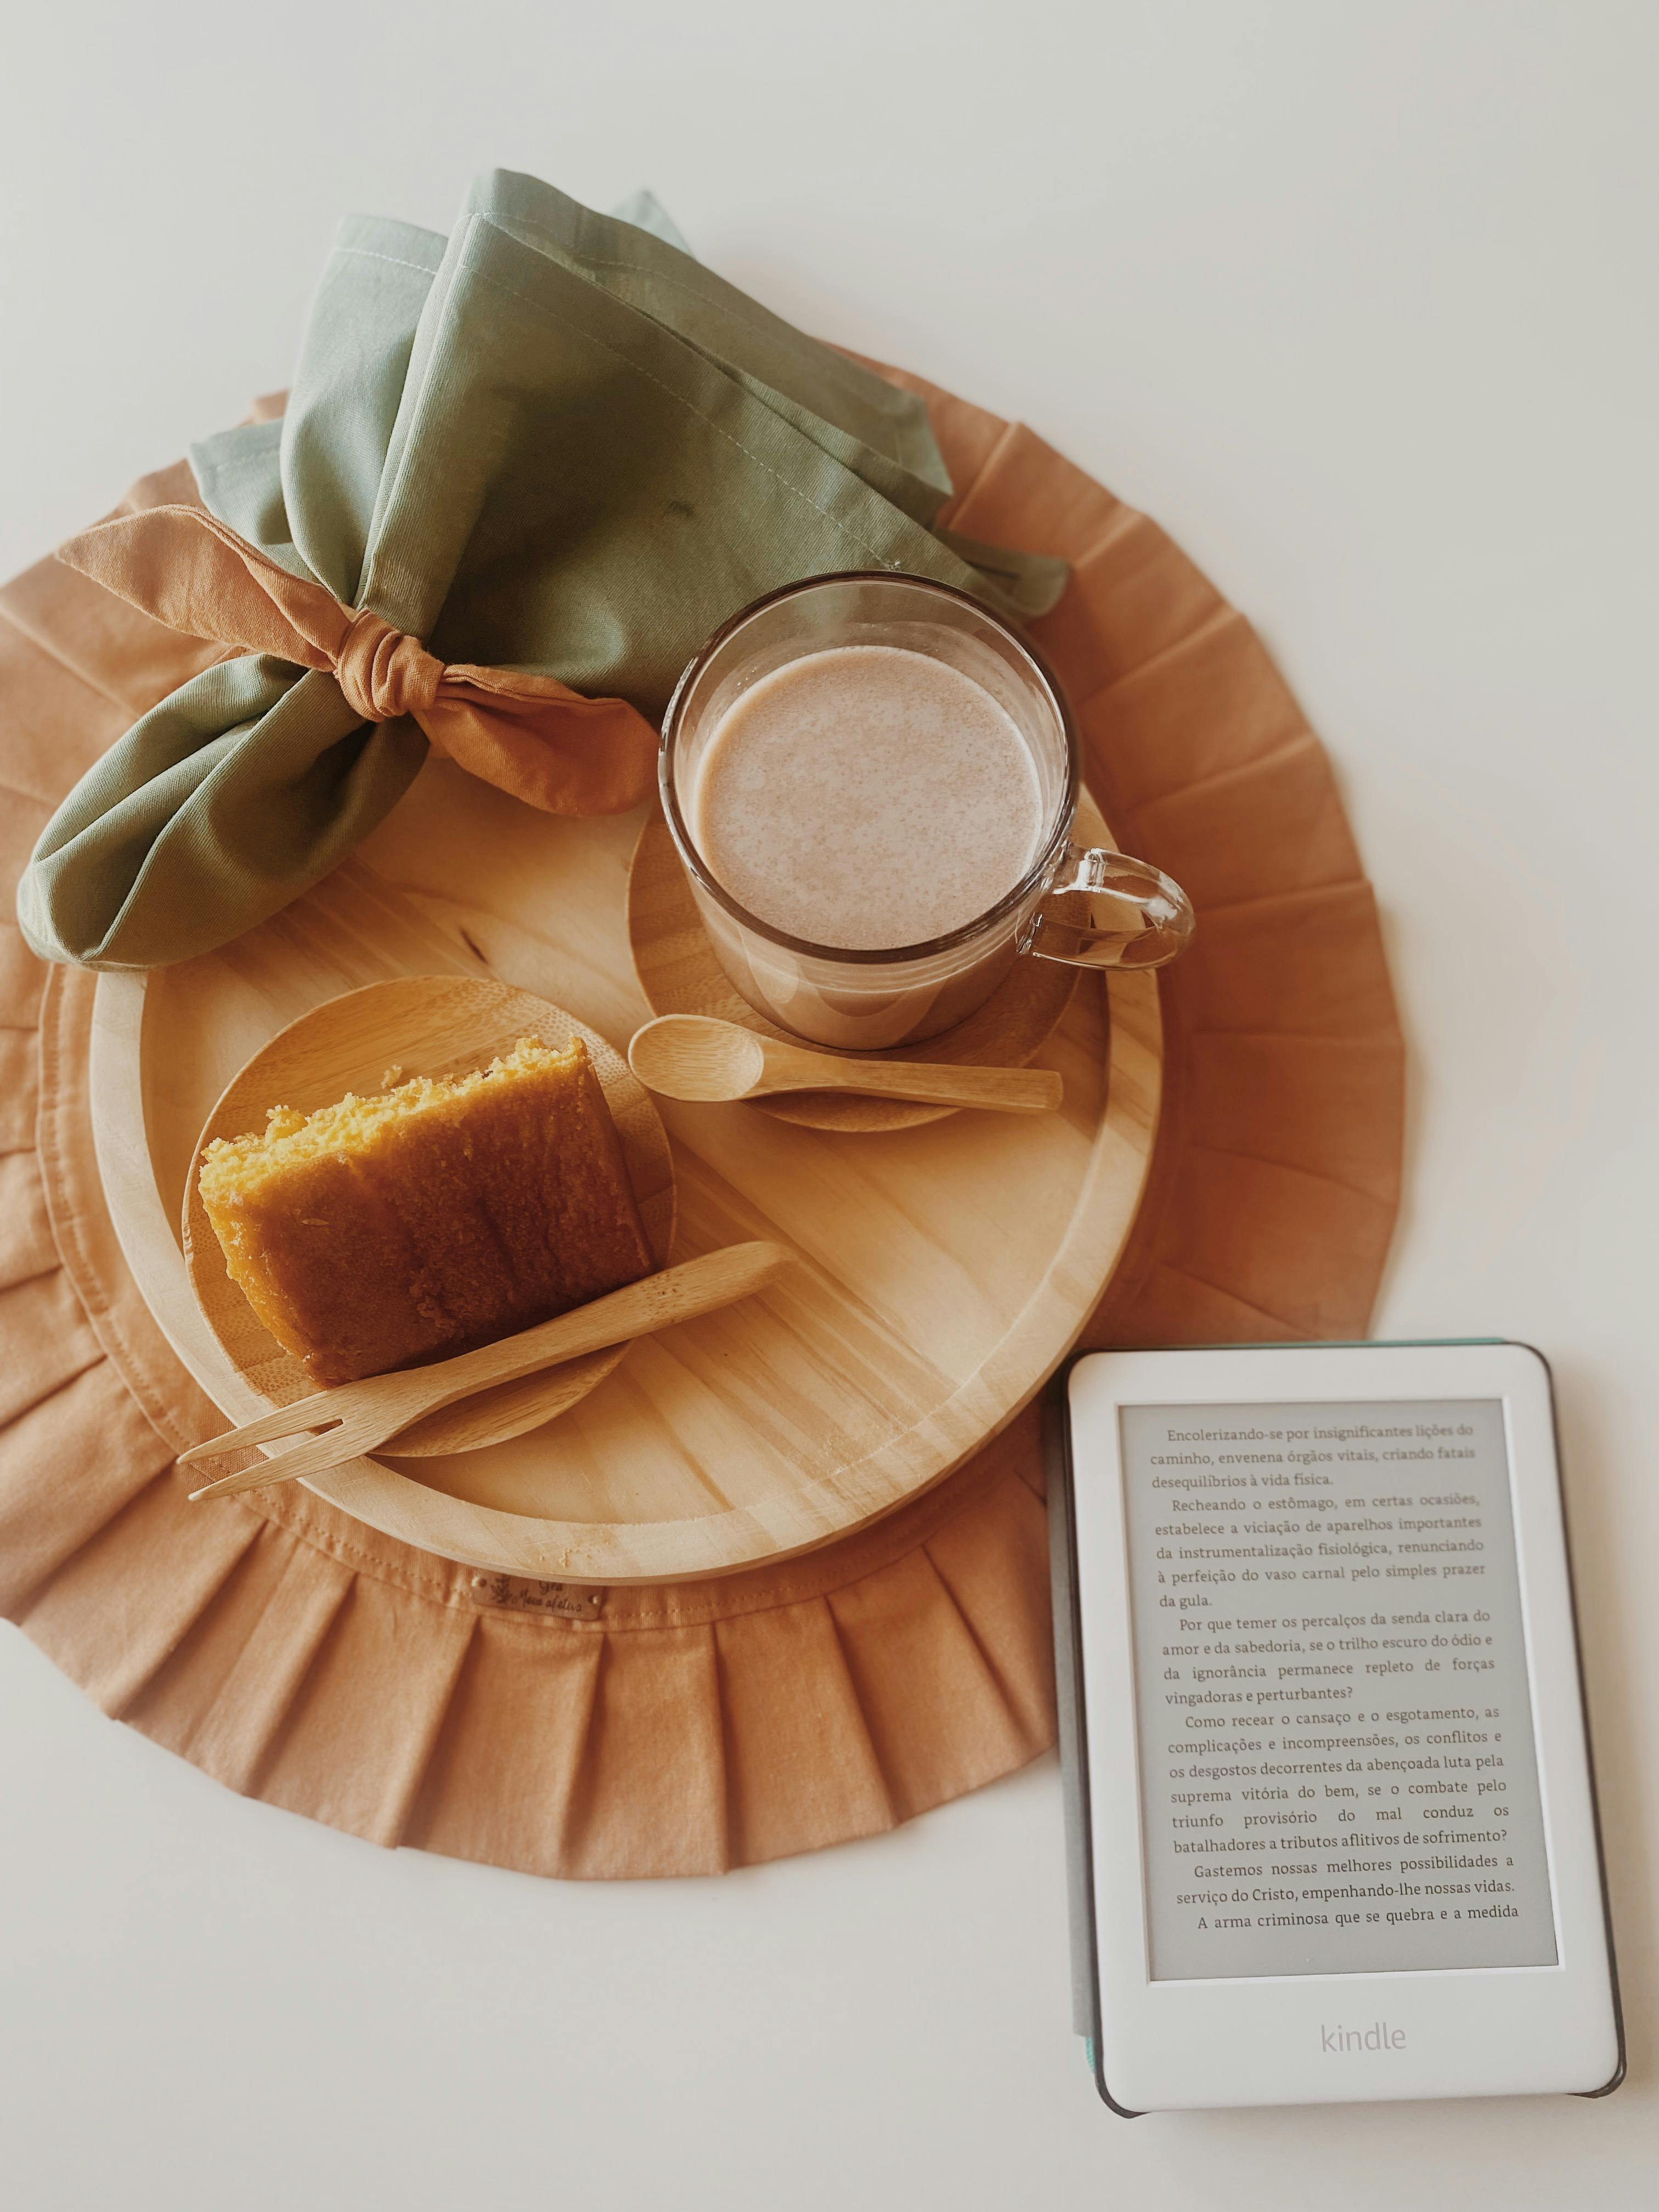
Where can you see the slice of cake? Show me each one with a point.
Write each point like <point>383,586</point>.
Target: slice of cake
<point>443,1213</point>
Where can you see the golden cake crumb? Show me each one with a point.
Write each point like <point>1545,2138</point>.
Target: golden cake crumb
<point>442,1212</point>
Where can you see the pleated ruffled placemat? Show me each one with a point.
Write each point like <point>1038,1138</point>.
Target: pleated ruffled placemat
<point>304,1659</point>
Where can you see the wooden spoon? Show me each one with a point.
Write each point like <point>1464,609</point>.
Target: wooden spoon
<point>361,1417</point>
<point>693,1056</point>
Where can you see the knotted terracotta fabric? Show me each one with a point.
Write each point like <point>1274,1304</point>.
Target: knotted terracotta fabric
<point>532,735</point>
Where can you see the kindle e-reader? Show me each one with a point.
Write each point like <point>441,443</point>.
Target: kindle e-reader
<point>1332,1815</point>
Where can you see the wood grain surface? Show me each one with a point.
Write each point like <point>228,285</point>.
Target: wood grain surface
<point>945,1270</point>
<point>377,1410</point>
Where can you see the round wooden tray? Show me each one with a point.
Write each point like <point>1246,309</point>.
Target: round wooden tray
<point>947,1269</point>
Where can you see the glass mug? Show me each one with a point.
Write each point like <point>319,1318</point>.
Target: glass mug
<point>1084,906</point>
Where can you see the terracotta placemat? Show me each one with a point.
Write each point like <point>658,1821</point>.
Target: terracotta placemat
<point>304,1659</point>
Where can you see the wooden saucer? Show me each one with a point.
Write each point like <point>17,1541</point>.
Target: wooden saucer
<point>679,973</point>
<point>417,1025</point>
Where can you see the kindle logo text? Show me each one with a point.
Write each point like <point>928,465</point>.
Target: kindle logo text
<point>1379,2036</point>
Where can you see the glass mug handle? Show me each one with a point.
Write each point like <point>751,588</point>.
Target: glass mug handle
<point>1102,909</point>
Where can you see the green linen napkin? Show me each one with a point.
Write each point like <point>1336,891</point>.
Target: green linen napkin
<point>552,442</point>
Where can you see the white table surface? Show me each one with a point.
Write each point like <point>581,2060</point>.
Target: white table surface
<point>1358,301</point>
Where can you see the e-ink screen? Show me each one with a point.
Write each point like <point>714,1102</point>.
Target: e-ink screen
<point>1337,1755</point>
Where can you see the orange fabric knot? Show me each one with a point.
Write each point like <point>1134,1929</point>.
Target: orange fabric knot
<point>384,673</point>
<point>529,734</point>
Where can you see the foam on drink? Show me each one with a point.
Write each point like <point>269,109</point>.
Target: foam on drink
<point>866,797</point>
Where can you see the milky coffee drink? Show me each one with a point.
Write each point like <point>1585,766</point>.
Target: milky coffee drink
<point>866,797</point>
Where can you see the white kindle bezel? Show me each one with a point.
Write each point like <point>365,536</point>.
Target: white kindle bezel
<point>1260,2040</point>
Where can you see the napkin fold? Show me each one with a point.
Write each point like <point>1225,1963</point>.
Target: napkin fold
<point>532,735</point>
<point>523,473</point>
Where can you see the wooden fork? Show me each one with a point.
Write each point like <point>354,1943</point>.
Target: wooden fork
<point>358,1417</point>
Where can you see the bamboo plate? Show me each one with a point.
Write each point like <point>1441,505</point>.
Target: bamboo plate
<point>427,1025</point>
<point>946,1269</point>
